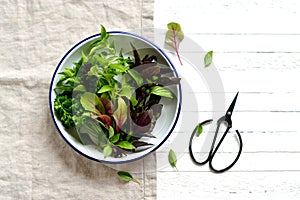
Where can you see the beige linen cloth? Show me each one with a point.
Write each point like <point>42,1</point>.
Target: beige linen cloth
<point>35,162</point>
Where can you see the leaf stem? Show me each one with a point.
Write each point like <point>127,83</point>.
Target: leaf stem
<point>175,44</point>
<point>136,181</point>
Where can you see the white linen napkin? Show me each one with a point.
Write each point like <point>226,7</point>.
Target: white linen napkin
<point>35,162</point>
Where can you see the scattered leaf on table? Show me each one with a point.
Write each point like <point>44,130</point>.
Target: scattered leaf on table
<point>174,36</point>
<point>126,176</point>
<point>172,158</point>
<point>208,58</point>
<point>199,129</point>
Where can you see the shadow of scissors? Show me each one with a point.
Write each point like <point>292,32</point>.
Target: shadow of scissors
<point>226,120</point>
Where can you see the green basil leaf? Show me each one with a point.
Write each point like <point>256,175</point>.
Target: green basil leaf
<point>126,145</point>
<point>161,91</point>
<point>93,128</point>
<point>105,88</point>
<point>104,34</point>
<point>126,91</point>
<point>119,67</point>
<point>172,158</point>
<point>154,78</point>
<point>133,101</point>
<point>208,58</point>
<point>199,129</point>
<point>112,44</point>
<point>64,88</point>
<point>136,76</point>
<point>84,57</point>
<point>91,102</point>
<point>107,151</point>
<point>102,61</point>
<point>126,176</point>
<point>129,136</point>
<point>80,88</point>
<point>111,132</point>
<point>115,138</point>
<point>67,72</point>
<point>94,71</point>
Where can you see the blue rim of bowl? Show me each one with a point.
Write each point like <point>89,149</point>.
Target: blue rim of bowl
<point>157,146</point>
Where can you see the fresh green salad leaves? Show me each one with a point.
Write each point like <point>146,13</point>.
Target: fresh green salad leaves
<point>174,36</point>
<point>112,100</point>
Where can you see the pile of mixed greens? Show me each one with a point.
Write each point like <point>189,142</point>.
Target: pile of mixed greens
<point>112,101</point>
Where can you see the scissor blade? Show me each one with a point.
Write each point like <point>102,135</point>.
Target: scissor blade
<point>231,107</point>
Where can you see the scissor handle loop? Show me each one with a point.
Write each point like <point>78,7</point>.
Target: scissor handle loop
<point>216,149</point>
<point>213,150</point>
<point>191,141</point>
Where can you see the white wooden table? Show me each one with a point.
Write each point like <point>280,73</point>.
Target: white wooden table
<point>256,48</point>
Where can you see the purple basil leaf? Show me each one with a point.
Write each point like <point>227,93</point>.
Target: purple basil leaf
<point>157,108</point>
<point>142,123</point>
<point>145,58</point>
<point>138,130</point>
<point>106,120</point>
<point>118,152</point>
<point>165,81</point>
<point>137,59</point>
<point>154,99</point>
<point>140,144</point>
<point>145,118</point>
<point>165,70</point>
<point>120,114</point>
<point>145,65</point>
<point>85,68</point>
<point>151,59</point>
<point>150,71</point>
<point>108,106</point>
<point>147,134</point>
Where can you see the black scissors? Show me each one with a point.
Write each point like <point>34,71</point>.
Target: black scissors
<point>226,119</point>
